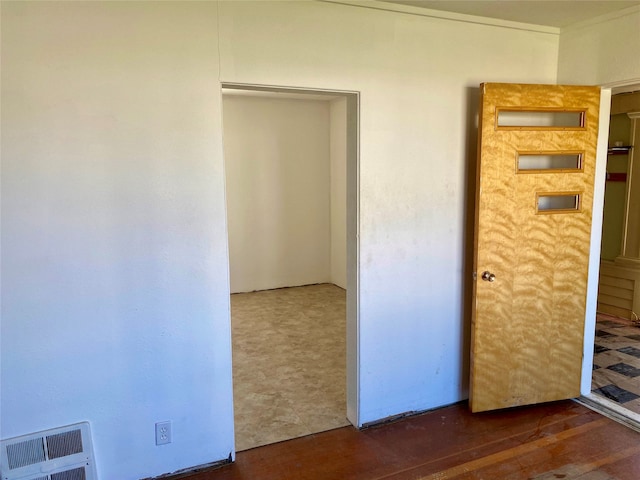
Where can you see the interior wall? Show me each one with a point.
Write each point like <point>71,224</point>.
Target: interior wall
<point>279,191</point>
<point>338,156</point>
<point>115,294</point>
<point>413,166</point>
<point>602,51</point>
<point>114,245</point>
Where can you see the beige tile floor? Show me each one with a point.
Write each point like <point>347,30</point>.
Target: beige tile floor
<point>289,363</point>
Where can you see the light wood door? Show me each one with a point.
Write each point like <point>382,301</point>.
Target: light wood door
<point>536,165</point>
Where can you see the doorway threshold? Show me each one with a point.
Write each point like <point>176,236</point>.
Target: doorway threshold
<point>611,409</point>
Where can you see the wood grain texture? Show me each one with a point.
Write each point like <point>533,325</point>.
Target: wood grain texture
<point>528,325</point>
<point>618,289</point>
<point>625,103</point>
<point>543,442</point>
<point>631,227</point>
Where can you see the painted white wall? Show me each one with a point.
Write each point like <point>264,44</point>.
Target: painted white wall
<point>602,51</point>
<point>414,158</point>
<point>338,158</point>
<point>114,255</point>
<point>277,167</point>
<point>115,295</point>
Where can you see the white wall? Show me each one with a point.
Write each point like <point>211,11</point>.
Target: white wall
<point>416,76</point>
<point>601,52</point>
<point>277,167</point>
<point>114,279</point>
<point>338,158</point>
<point>114,259</point>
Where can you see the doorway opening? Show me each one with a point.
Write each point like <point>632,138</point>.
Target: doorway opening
<point>616,363</point>
<point>291,161</point>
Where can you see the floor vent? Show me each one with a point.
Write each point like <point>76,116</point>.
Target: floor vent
<point>64,453</point>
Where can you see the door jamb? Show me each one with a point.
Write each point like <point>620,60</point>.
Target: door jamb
<point>353,230</point>
<point>596,240</point>
<point>601,405</point>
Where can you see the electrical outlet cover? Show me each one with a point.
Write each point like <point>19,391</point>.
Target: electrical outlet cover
<point>163,433</point>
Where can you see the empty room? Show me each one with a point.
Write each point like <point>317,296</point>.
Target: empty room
<point>118,252</point>
<point>285,167</point>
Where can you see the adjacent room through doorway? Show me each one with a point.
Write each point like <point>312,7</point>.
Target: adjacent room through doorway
<point>286,186</point>
<point>616,364</point>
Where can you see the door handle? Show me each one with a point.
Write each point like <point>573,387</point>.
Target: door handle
<point>488,276</point>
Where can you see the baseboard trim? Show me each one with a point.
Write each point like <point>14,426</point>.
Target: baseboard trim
<point>186,472</point>
<point>400,416</point>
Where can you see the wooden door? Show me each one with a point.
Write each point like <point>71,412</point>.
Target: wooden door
<point>536,164</point>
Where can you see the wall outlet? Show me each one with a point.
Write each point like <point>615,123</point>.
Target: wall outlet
<point>163,433</point>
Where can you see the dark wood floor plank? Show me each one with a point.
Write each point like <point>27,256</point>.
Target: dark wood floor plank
<point>627,467</point>
<point>501,461</point>
<point>559,456</point>
<point>481,435</point>
<point>558,440</point>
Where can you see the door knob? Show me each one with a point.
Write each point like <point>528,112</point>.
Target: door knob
<point>488,276</point>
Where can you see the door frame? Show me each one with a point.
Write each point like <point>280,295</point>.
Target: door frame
<point>353,228</point>
<point>602,405</point>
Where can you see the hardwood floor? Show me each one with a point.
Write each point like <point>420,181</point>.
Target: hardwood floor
<point>561,440</point>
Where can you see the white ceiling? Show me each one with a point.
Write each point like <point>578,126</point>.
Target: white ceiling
<point>550,13</point>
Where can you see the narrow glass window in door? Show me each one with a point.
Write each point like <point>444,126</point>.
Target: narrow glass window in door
<point>509,119</point>
<point>558,202</point>
<point>549,162</point>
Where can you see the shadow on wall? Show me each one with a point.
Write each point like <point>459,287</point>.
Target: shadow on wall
<point>472,95</point>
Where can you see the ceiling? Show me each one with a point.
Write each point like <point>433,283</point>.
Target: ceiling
<point>550,13</point>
